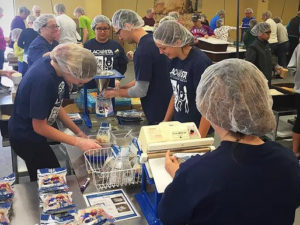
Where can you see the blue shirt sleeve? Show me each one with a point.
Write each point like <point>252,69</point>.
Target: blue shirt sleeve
<point>122,61</point>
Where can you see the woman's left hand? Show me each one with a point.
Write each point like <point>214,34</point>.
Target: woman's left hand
<point>171,164</point>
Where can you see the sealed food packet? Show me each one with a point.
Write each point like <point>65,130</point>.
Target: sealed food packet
<point>104,106</point>
<point>93,216</point>
<point>4,213</point>
<point>67,218</point>
<point>57,203</point>
<point>6,191</point>
<point>103,134</point>
<point>51,180</point>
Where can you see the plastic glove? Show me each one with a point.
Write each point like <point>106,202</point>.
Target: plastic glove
<point>86,144</point>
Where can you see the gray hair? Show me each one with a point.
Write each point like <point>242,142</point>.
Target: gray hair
<point>59,8</point>
<point>24,10</point>
<point>174,14</point>
<point>221,12</point>
<point>220,22</point>
<point>79,10</point>
<point>149,10</point>
<point>277,20</point>
<point>30,19</point>
<point>267,14</point>
<point>252,23</point>
<point>248,10</point>
<point>35,7</point>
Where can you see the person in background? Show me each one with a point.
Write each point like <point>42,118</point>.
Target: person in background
<point>293,29</point>
<point>204,20</point>
<point>18,21</point>
<point>294,69</point>
<point>283,42</point>
<point>244,172</point>
<point>2,42</point>
<point>148,19</point>
<point>38,105</point>
<point>166,18</point>
<point>36,10</point>
<point>84,25</point>
<point>213,22</point>
<point>246,20</point>
<point>248,37</point>
<point>200,30</point>
<point>109,53</point>
<point>185,70</point>
<point>273,40</point>
<point>45,42</point>
<point>15,34</point>
<point>25,39</point>
<point>151,82</point>
<point>221,32</point>
<point>66,24</point>
<point>260,53</point>
<point>174,14</point>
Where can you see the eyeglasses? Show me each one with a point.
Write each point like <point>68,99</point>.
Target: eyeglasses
<point>102,28</point>
<point>52,27</point>
<point>118,32</point>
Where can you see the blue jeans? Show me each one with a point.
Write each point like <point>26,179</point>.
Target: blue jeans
<point>1,59</point>
<point>20,67</point>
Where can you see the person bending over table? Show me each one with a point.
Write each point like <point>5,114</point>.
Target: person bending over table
<point>38,105</point>
<point>245,180</point>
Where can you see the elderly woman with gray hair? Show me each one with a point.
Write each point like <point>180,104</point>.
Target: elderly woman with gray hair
<point>245,180</point>
<point>48,29</point>
<point>38,104</point>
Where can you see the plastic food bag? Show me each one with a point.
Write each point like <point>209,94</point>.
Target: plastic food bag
<point>51,180</point>
<point>4,213</point>
<point>104,106</point>
<point>67,218</point>
<point>56,203</point>
<point>93,216</point>
<point>6,191</point>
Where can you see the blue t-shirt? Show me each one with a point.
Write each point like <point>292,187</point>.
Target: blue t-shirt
<point>151,66</point>
<point>38,47</point>
<point>26,37</point>
<point>109,55</point>
<point>245,22</point>
<point>185,76</point>
<point>250,185</point>
<point>213,22</point>
<point>39,96</point>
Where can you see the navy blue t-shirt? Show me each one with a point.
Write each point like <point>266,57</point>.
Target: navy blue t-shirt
<point>250,185</point>
<point>26,37</point>
<point>185,76</point>
<point>109,55</point>
<point>38,47</point>
<point>39,96</point>
<point>150,65</point>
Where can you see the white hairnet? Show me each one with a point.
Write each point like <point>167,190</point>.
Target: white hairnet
<point>59,8</point>
<point>42,21</point>
<point>30,19</point>
<point>126,19</point>
<point>174,14</point>
<point>100,19</point>
<point>233,94</point>
<point>260,28</point>
<point>15,34</point>
<point>78,61</point>
<point>78,10</point>
<point>166,18</point>
<point>171,33</point>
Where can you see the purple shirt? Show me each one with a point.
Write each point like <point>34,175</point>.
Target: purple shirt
<point>201,31</point>
<point>2,40</point>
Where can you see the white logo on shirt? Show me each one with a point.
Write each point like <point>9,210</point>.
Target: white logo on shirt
<point>55,110</point>
<point>104,63</point>
<point>179,74</point>
<point>103,52</point>
<point>180,97</point>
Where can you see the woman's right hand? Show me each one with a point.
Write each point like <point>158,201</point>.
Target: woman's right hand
<point>86,144</point>
<point>130,55</point>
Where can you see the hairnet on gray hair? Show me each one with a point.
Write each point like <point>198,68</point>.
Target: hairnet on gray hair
<point>248,10</point>
<point>174,14</point>
<point>149,10</point>
<point>78,10</point>
<point>100,19</point>
<point>267,14</point>
<point>127,19</point>
<point>219,23</point>
<point>260,29</point>
<point>166,18</point>
<point>15,34</point>
<point>30,19</point>
<point>73,59</point>
<point>221,12</point>
<point>42,21</point>
<point>173,34</point>
<point>59,8</point>
<point>234,95</point>
<point>24,10</point>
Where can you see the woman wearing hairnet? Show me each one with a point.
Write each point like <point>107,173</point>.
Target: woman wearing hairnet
<point>38,104</point>
<point>245,180</point>
<point>185,70</point>
<point>46,26</point>
<point>86,31</point>
<point>259,52</point>
<point>109,53</point>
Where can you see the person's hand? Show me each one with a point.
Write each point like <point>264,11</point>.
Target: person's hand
<point>109,93</point>
<point>171,164</point>
<point>81,134</point>
<point>8,73</point>
<point>206,36</point>
<point>278,69</point>
<point>130,55</point>
<point>117,84</point>
<point>87,144</point>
